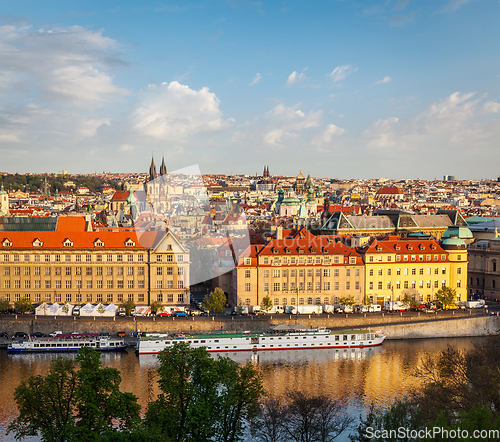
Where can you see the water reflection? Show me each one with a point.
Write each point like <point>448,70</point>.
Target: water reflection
<point>362,376</point>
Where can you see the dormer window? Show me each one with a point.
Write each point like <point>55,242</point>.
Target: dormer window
<point>410,247</point>
<point>98,243</point>
<point>313,250</point>
<point>397,247</point>
<point>301,251</point>
<point>288,251</point>
<point>275,251</point>
<point>67,243</point>
<point>7,243</point>
<point>379,249</point>
<point>129,243</point>
<point>433,247</point>
<point>37,243</point>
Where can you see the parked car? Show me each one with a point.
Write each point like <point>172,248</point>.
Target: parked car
<point>121,334</point>
<point>104,334</point>
<point>39,335</point>
<point>165,313</point>
<point>20,335</point>
<point>56,333</point>
<point>4,335</point>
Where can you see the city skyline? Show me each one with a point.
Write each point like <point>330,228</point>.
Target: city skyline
<point>395,89</point>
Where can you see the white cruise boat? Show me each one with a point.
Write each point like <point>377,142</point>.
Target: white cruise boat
<point>280,338</point>
<point>67,343</point>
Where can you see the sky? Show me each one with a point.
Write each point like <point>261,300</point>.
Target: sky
<point>335,88</point>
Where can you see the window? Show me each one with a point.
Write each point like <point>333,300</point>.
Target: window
<point>398,284</point>
<point>318,273</point>
<point>109,297</point>
<point>292,301</point>
<point>78,258</point>
<point>348,285</point>
<point>285,273</point>
<point>301,286</point>
<point>301,273</point>
<point>159,284</point>
<point>170,284</point>
<point>119,284</point>
<point>88,271</point>
<point>159,270</point>
<point>109,258</point>
<point>130,258</point>
<point>119,270</point>
<point>310,285</point>
<point>276,287</point>
<point>47,284</point>
<point>436,284</point>
<point>247,286</point>
<point>47,271</point>
<point>379,285</point>
<point>276,301</point>
<point>58,258</point>
<point>371,272</point>
<point>348,272</point>
<point>109,284</point>
<point>276,273</point>
<point>284,287</point>
<point>436,271</point>
<point>47,258</point>
<point>57,297</point>
<point>336,272</point>
<point>405,284</point>
<point>180,284</point>
<point>405,271</point>
<point>266,286</point>
<point>352,260</point>
<point>37,284</point>
<point>6,271</point>
<point>336,259</point>
<point>27,284</point>
<point>68,284</point>
<point>17,270</point>
<point>89,284</point>
<point>58,284</point>
<point>428,284</point>
<point>67,271</point>
<point>247,273</point>
<point>109,271</point>
<point>266,273</point>
<point>140,284</point>
<point>318,286</point>
<point>140,258</point>
<point>379,272</point>
<point>371,285</point>
<point>119,297</point>
<point>140,270</point>
<point>326,286</point>
<point>301,301</point>
<point>413,271</point>
<point>459,270</point>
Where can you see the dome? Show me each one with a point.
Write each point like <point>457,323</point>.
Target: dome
<point>462,232</point>
<point>453,243</point>
<point>290,201</point>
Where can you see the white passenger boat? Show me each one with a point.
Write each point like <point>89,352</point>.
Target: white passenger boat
<point>281,338</point>
<point>67,343</point>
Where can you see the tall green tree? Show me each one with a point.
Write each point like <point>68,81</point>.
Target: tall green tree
<point>128,306</point>
<point>266,304</point>
<point>446,296</point>
<point>73,405</point>
<point>215,301</point>
<point>202,398</point>
<point>24,305</point>
<point>156,307</point>
<point>5,305</point>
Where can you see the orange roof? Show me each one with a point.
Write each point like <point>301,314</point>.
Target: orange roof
<point>389,190</point>
<point>81,240</point>
<point>71,224</point>
<point>120,195</point>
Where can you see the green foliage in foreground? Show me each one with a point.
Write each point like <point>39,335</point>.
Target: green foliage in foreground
<point>74,405</point>
<point>203,398</point>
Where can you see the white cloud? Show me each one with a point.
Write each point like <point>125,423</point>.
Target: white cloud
<point>341,72</point>
<point>452,6</point>
<point>491,107</point>
<point>256,79</point>
<point>294,77</point>
<point>326,135</point>
<point>384,80</point>
<point>277,126</point>
<point>172,111</point>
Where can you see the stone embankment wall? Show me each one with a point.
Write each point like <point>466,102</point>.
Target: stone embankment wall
<point>394,326</point>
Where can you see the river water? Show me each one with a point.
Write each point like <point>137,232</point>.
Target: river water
<point>362,376</point>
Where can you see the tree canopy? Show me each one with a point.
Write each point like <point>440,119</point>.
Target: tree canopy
<point>74,405</point>
<point>215,301</point>
<point>266,303</point>
<point>202,398</point>
<point>446,296</point>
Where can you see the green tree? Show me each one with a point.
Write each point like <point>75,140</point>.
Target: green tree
<point>70,405</point>
<point>128,306</point>
<point>446,296</point>
<point>24,305</point>
<point>156,307</point>
<point>202,398</point>
<point>347,300</point>
<point>410,296</point>
<point>5,305</point>
<point>266,304</point>
<point>215,301</point>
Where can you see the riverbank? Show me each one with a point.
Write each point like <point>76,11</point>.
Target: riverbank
<point>394,326</point>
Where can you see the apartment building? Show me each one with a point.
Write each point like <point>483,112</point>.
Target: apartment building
<point>296,270</point>
<point>77,266</point>
<point>484,268</point>
<point>308,269</point>
<point>420,267</point>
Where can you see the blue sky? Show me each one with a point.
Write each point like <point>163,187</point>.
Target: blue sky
<point>347,89</point>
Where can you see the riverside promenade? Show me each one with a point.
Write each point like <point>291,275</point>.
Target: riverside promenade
<point>395,325</point>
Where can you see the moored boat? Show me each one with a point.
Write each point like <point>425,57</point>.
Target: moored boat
<point>67,343</point>
<point>280,338</point>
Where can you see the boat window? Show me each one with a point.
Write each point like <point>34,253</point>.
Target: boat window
<point>288,345</point>
<point>345,338</point>
<point>337,337</point>
<point>271,345</point>
<point>314,337</point>
<point>202,342</point>
<point>370,342</point>
<point>235,346</point>
<point>36,345</point>
<point>305,337</point>
<point>227,346</point>
<point>59,345</point>
<point>216,340</point>
<point>196,342</point>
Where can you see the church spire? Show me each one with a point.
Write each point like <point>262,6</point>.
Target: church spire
<point>163,168</point>
<point>152,170</point>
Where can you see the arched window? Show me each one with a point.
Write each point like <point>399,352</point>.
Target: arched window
<point>301,301</point>
<point>318,301</point>
<point>276,301</point>
<point>309,301</point>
